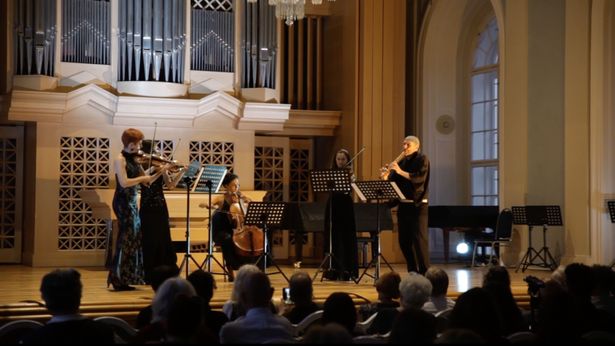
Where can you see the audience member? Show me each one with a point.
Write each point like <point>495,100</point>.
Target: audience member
<point>497,283</point>
<point>61,290</point>
<point>439,283</point>
<point>231,308</point>
<point>414,291</point>
<point>387,287</point>
<point>331,333</point>
<point>476,310</point>
<point>413,326</point>
<point>302,294</point>
<point>157,277</point>
<point>604,290</point>
<point>260,324</point>
<point>339,308</point>
<point>205,284</point>
<point>459,336</point>
<point>162,303</point>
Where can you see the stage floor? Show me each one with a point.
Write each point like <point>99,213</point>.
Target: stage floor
<point>21,283</point>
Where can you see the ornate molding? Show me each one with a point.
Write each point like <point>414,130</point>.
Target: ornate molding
<point>264,118</point>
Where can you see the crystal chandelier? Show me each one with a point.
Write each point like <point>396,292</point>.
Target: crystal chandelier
<point>290,10</point>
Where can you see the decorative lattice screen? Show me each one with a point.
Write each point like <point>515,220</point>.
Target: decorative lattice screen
<point>269,172</point>
<point>213,5</point>
<point>8,192</point>
<point>299,175</point>
<point>213,153</point>
<point>84,163</point>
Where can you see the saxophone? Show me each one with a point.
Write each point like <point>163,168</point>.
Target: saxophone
<point>386,170</point>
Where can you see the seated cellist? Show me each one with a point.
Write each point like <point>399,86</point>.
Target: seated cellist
<point>227,218</point>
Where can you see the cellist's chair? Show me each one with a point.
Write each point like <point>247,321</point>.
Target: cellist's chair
<point>501,237</point>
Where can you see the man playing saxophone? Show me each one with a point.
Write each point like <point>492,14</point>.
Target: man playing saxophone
<point>411,173</point>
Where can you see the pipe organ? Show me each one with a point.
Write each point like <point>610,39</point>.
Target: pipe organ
<point>152,40</point>
<point>34,37</point>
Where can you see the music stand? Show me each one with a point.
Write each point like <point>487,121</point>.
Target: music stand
<point>329,180</point>
<point>266,214</point>
<point>537,215</point>
<point>611,206</point>
<point>211,178</point>
<point>189,176</point>
<point>377,190</point>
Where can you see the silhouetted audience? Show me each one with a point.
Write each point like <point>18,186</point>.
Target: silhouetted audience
<point>497,282</point>
<point>459,336</point>
<point>603,296</point>
<point>414,291</point>
<point>475,310</point>
<point>260,324</point>
<point>157,277</point>
<point>302,294</point>
<point>61,290</point>
<point>439,283</point>
<point>205,284</point>
<point>231,308</point>
<point>387,287</point>
<point>413,326</point>
<point>162,304</point>
<point>339,308</point>
<point>331,333</point>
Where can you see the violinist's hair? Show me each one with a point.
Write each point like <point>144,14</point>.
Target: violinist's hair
<point>228,178</point>
<point>131,136</point>
<point>342,151</point>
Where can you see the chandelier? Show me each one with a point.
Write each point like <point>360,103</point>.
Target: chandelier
<point>290,10</point>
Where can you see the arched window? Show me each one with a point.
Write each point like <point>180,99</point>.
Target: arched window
<point>484,86</point>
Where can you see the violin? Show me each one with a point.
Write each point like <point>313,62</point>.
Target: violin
<point>158,161</point>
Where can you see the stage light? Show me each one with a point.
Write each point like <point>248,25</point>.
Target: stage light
<point>462,248</point>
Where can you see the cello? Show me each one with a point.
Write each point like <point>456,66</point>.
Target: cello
<point>248,240</point>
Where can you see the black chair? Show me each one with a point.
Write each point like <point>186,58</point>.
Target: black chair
<point>12,332</point>
<point>501,237</point>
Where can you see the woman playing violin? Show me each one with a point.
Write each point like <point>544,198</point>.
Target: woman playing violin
<point>228,217</point>
<point>127,264</point>
<point>155,229</point>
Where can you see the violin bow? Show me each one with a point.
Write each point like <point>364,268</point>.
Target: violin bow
<point>151,148</point>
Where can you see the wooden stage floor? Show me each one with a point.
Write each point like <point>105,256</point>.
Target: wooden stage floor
<point>21,283</point>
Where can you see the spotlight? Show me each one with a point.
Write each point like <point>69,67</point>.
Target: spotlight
<point>462,248</point>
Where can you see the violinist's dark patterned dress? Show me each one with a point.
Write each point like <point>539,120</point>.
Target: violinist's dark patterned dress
<point>127,266</point>
<point>155,229</point>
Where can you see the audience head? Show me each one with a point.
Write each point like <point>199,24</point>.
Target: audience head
<point>167,294</point>
<point>459,336</point>
<point>301,289</point>
<point>339,308</point>
<point>476,310</point>
<point>204,284</point>
<point>61,290</point>
<point>413,326</point>
<point>240,277</point>
<point>439,281</point>
<point>161,273</point>
<point>497,274</point>
<point>184,319</point>
<point>604,277</point>
<point>331,333</point>
<point>257,292</point>
<point>415,290</point>
<point>388,286</point>
<point>579,280</point>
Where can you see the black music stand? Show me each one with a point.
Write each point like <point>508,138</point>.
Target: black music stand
<point>329,180</point>
<point>377,190</point>
<point>189,176</point>
<point>611,206</point>
<point>212,177</point>
<point>537,215</point>
<point>265,215</point>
